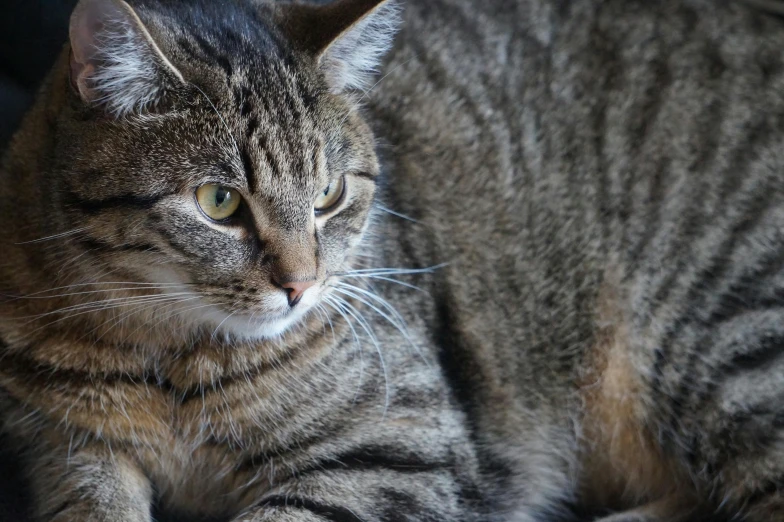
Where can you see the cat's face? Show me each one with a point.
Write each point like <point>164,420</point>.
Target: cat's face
<point>243,190</point>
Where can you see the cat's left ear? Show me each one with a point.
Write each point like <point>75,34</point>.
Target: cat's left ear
<point>348,37</point>
<point>114,60</point>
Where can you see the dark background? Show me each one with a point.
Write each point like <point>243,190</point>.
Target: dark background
<point>32,33</point>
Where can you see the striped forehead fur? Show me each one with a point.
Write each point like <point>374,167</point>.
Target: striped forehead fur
<point>134,71</point>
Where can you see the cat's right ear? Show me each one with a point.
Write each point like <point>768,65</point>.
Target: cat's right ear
<point>347,37</point>
<point>114,61</point>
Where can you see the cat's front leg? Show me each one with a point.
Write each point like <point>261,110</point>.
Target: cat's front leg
<point>364,494</point>
<point>90,485</point>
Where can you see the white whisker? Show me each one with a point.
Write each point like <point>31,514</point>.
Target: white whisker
<point>215,332</point>
<point>126,283</point>
<point>387,279</point>
<point>329,300</point>
<point>392,271</point>
<point>396,214</point>
<point>83,311</point>
<point>54,236</point>
<point>329,320</point>
<point>351,310</point>
<point>103,290</point>
<point>223,121</point>
<point>109,303</point>
<point>395,319</point>
<point>139,308</point>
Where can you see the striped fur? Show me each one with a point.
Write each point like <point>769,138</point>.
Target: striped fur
<point>556,290</point>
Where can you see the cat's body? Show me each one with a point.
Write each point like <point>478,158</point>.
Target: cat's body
<point>599,185</point>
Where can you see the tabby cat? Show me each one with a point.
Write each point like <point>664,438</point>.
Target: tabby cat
<point>530,271</point>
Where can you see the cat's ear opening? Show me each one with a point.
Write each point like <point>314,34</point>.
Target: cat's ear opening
<point>348,37</point>
<point>114,61</point>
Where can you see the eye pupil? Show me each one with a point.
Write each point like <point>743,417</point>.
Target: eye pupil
<point>326,190</point>
<point>221,195</point>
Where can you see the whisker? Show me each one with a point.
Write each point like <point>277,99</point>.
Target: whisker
<point>396,320</point>
<point>92,310</point>
<point>351,310</point>
<point>223,121</point>
<point>54,236</point>
<point>250,319</point>
<point>172,315</point>
<point>396,214</point>
<point>96,309</point>
<point>320,312</point>
<point>323,311</point>
<point>392,271</point>
<point>141,285</point>
<point>215,332</point>
<point>99,304</point>
<point>334,306</point>
<point>104,290</point>
<point>71,262</point>
<point>387,279</point>
<point>136,309</point>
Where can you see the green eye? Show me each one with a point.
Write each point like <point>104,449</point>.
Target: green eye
<point>217,201</point>
<point>331,195</point>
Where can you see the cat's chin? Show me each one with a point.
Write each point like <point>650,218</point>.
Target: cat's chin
<point>253,328</point>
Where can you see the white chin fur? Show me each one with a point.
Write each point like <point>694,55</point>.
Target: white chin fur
<point>250,328</point>
<point>244,327</point>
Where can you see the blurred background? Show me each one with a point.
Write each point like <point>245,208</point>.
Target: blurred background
<point>32,32</point>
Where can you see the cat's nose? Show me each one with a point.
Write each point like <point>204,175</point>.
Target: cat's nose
<point>296,290</point>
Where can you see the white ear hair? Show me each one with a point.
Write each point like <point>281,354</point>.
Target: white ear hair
<point>353,58</point>
<point>114,60</point>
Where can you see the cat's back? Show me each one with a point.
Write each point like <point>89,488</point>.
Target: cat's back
<point>604,180</point>
<point>545,144</point>
<point>557,152</point>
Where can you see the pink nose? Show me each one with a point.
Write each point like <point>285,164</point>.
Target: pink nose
<point>296,289</point>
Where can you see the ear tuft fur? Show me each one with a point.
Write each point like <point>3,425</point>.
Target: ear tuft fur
<point>114,60</point>
<point>351,61</point>
<point>348,37</point>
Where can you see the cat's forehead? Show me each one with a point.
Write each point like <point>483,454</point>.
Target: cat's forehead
<point>280,116</point>
<point>250,107</point>
<point>286,131</point>
<point>232,38</point>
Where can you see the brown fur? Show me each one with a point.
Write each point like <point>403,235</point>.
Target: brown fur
<point>553,285</point>
<point>622,463</point>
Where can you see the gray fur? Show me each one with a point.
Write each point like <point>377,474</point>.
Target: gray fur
<point>587,195</point>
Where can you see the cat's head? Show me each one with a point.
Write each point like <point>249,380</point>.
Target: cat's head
<point>216,149</point>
